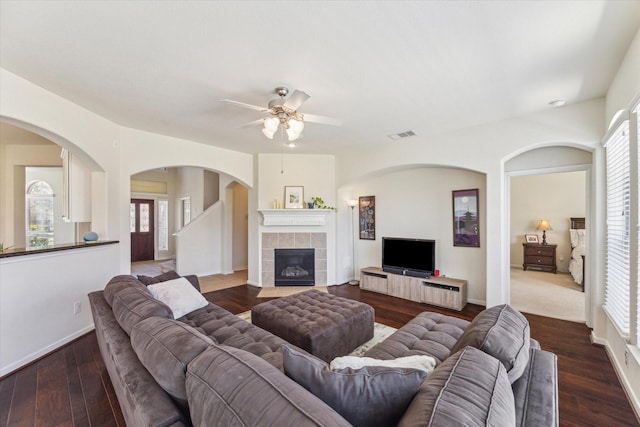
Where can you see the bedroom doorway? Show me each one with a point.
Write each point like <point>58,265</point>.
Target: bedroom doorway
<point>555,194</point>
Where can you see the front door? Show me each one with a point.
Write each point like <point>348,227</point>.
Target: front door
<point>142,229</point>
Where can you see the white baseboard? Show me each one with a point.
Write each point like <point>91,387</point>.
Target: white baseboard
<point>476,301</point>
<point>43,351</point>
<point>628,391</point>
<point>254,284</point>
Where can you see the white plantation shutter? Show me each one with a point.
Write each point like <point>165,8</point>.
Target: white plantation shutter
<point>617,292</point>
<point>636,140</point>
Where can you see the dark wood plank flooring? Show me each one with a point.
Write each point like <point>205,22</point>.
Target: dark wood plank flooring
<point>71,387</point>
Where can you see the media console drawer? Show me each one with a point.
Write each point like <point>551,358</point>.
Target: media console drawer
<point>445,292</point>
<point>440,291</point>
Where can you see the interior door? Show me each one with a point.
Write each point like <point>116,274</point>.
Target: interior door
<point>142,229</point>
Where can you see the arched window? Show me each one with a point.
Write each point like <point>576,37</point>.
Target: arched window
<point>39,215</point>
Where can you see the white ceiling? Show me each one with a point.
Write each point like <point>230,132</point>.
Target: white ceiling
<point>380,67</point>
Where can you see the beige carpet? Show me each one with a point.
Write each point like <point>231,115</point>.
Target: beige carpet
<point>285,291</point>
<point>380,333</point>
<point>547,294</point>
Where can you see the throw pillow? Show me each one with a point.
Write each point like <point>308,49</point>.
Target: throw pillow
<point>169,275</point>
<point>502,332</point>
<point>470,389</point>
<point>373,395</point>
<point>424,363</point>
<point>179,295</point>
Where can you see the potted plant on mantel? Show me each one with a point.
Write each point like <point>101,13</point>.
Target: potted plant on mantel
<point>318,203</point>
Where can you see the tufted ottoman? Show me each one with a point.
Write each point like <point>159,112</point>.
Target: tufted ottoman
<point>325,325</point>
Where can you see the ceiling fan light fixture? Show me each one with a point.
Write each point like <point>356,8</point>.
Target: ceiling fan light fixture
<point>294,129</point>
<point>271,124</point>
<point>292,135</point>
<point>296,125</point>
<point>268,133</point>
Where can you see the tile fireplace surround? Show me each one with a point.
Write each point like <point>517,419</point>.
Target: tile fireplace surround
<point>298,240</point>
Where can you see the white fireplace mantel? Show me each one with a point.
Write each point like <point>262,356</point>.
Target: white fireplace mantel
<point>294,217</point>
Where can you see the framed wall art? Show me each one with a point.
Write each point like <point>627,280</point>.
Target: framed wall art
<point>466,223</point>
<point>367,217</point>
<point>293,197</point>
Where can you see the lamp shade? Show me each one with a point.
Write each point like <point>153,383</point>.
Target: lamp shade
<point>544,225</point>
<point>352,203</point>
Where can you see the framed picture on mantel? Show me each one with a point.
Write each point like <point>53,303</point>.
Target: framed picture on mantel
<point>293,197</point>
<point>367,217</point>
<point>466,225</point>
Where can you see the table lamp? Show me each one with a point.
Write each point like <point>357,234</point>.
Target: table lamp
<point>544,225</point>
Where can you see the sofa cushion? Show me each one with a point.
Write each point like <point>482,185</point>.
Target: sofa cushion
<point>536,392</point>
<point>225,328</point>
<point>373,395</point>
<point>468,389</point>
<point>179,295</point>
<point>165,347</point>
<point>502,332</point>
<point>230,387</point>
<point>135,303</point>
<point>428,333</point>
<point>148,280</point>
<point>118,283</point>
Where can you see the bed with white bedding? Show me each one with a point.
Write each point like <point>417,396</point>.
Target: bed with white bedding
<point>576,264</point>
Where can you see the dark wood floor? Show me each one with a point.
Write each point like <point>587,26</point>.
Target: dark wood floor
<point>71,387</point>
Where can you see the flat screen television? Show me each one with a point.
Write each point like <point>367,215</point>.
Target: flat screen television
<point>409,257</point>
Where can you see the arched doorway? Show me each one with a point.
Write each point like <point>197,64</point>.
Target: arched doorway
<point>549,183</point>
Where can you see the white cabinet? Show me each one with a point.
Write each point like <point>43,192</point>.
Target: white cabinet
<point>76,189</point>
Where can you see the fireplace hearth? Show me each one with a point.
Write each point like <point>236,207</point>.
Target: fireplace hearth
<point>294,267</point>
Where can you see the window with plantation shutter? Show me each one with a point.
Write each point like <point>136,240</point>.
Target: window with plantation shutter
<point>617,291</point>
<point>636,140</point>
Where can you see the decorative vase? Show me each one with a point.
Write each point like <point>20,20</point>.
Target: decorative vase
<point>90,237</point>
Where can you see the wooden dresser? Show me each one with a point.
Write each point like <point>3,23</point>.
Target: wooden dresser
<point>539,257</point>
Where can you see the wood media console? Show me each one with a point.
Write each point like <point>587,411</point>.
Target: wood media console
<point>441,291</point>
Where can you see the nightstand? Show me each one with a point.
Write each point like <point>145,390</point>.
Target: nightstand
<point>539,257</point>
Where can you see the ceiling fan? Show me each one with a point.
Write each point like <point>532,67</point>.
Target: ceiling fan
<point>285,112</point>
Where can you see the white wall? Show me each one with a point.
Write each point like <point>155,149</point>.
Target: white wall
<point>623,90</point>
<point>37,293</point>
<point>190,183</point>
<point>417,203</point>
<point>240,227</point>
<point>113,153</point>
<point>316,173</point>
<point>211,188</point>
<point>485,149</point>
<point>199,244</point>
<point>556,197</point>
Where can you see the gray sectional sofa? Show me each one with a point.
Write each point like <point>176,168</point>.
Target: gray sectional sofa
<point>211,368</point>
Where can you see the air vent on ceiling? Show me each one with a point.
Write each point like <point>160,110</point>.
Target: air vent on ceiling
<point>401,135</point>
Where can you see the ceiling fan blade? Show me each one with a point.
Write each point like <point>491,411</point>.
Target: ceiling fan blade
<point>253,123</point>
<point>242,104</point>
<point>314,118</point>
<point>296,99</point>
